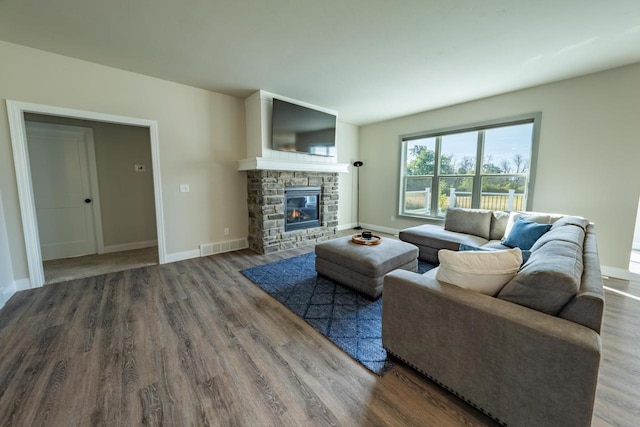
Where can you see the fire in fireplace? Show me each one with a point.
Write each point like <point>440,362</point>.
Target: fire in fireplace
<point>302,208</point>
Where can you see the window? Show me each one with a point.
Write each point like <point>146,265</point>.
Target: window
<point>485,166</point>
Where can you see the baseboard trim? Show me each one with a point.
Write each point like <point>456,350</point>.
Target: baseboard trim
<point>7,293</point>
<point>130,246</point>
<point>346,226</point>
<point>387,230</point>
<point>617,273</point>
<point>181,256</point>
<point>15,286</point>
<point>207,249</point>
<point>23,284</point>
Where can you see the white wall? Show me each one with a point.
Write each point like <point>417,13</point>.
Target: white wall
<point>201,136</point>
<point>587,162</point>
<point>347,136</point>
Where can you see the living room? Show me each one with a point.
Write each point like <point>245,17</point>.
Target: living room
<point>585,165</point>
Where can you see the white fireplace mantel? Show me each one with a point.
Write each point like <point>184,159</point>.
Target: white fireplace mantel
<point>258,109</point>
<point>262,163</point>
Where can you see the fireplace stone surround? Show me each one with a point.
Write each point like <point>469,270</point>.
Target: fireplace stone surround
<point>266,202</point>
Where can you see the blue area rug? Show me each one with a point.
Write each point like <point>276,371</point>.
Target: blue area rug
<point>350,320</point>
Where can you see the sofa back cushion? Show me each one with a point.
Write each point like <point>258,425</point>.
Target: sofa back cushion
<point>566,233</point>
<point>469,221</point>
<point>549,280</point>
<point>578,221</point>
<point>499,220</point>
<point>539,217</point>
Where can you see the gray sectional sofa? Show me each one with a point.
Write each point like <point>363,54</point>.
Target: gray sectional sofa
<point>527,356</point>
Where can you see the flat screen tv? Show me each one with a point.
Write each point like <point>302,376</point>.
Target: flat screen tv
<point>302,130</point>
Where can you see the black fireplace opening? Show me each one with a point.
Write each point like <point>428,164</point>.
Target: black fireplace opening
<point>302,208</point>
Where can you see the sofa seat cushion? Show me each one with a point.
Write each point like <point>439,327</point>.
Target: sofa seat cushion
<point>469,221</point>
<point>549,280</point>
<point>481,271</point>
<point>436,237</point>
<point>495,244</point>
<point>525,254</point>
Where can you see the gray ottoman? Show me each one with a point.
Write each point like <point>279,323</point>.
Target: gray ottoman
<point>363,267</point>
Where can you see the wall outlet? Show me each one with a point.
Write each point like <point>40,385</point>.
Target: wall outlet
<point>226,231</point>
<point>393,218</point>
<point>184,188</point>
<point>140,168</point>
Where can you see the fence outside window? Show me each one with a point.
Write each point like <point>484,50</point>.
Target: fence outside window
<point>486,166</point>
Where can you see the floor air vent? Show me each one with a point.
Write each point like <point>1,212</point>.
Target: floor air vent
<point>207,249</point>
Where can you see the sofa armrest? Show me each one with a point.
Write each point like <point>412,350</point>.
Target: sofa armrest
<point>518,365</point>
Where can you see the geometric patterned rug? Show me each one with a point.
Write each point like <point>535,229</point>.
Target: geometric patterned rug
<point>350,320</point>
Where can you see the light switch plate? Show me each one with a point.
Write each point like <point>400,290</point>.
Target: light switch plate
<point>184,188</point>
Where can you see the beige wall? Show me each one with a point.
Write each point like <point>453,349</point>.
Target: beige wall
<point>587,162</point>
<point>126,197</point>
<point>347,136</point>
<point>6,273</point>
<point>201,136</point>
<point>636,233</point>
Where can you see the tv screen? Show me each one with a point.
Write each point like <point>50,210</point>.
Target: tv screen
<point>302,130</point>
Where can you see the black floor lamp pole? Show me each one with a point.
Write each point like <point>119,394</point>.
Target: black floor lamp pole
<point>358,164</point>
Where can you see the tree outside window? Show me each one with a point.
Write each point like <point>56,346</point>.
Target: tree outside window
<point>487,167</point>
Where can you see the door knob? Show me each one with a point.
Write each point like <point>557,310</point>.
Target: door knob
<point>87,200</point>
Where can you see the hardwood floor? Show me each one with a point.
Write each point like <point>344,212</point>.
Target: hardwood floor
<point>196,343</point>
<point>65,269</point>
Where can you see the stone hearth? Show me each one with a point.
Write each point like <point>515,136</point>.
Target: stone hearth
<point>265,189</point>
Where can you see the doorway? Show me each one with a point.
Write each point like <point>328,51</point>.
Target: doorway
<point>17,125</point>
<point>74,165</point>
<point>63,173</point>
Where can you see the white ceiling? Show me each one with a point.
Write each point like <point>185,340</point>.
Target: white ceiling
<point>368,59</point>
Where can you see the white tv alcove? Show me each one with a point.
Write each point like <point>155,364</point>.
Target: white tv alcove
<point>258,110</point>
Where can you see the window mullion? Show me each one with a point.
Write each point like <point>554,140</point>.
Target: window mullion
<point>435,182</point>
<point>477,180</point>
<point>403,177</point>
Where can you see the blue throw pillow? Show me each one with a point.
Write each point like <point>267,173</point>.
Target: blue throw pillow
<point>464,247</point>
<point>525,233</point>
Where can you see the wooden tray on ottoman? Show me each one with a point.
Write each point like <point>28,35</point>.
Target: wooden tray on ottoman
<point>374,240</point>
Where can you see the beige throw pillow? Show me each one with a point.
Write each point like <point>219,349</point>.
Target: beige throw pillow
<point>484,272</point>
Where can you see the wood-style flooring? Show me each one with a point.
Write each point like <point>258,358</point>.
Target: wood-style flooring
<point>65,269</point>
<point>196,343</point>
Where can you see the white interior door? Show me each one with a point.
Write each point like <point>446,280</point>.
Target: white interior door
<point>59,163</point>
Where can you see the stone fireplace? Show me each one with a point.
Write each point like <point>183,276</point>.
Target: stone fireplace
<point>291,209</point>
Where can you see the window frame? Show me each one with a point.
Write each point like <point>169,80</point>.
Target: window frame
<point>534,118</point>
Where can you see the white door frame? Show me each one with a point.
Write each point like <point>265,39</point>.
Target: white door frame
<point>15,112</point>
<point>87,136</point>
